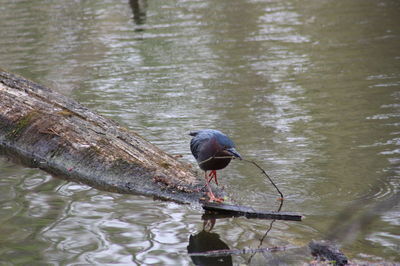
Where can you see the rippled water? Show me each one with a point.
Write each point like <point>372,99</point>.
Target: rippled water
<point>308,89</point>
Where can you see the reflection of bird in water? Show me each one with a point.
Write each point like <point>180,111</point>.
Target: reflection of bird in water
<point>213,151</point>
<point>205,241</point>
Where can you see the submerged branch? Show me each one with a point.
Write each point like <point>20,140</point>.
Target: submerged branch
<point>227,252</point>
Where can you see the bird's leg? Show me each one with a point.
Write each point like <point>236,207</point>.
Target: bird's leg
<point>213,175</point>
<point>208,224</point>
<point>210,194</point>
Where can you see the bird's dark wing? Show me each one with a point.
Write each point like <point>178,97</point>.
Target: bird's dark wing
<point>199,138</point>
<point>195,145</point>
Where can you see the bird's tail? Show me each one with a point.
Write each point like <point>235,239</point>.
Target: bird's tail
<point>193,133</point>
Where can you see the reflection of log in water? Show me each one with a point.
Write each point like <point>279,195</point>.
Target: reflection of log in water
<point>208,249</point>
<point>228,252</point>
<point>218,252</point>
<point>321,250</point>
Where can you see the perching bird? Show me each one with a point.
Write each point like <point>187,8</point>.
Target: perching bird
<point>213,151</point>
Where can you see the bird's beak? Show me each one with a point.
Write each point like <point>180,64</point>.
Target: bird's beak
<point>234,153</point>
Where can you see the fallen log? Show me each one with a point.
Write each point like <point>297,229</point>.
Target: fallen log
<point>46,130</point>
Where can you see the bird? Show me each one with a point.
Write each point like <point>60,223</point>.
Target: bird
<point>213,150</point>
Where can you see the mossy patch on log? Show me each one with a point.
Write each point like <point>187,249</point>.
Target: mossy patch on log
<point>165,165</point>
<point>22,124</point>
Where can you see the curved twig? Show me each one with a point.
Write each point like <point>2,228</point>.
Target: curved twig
<point>265,173</point>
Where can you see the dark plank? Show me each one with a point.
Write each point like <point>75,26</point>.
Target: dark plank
<point>217,210</point>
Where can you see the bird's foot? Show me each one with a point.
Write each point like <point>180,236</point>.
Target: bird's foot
<point>213,198</point>
<point>213,175</point>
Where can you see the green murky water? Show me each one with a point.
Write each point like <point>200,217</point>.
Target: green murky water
<point>308,89</point>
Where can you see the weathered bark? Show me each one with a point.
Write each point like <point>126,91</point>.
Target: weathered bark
<point>49,131</point>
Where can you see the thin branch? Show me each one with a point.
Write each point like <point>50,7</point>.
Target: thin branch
<point>249,161</point>
<point>265,173</point>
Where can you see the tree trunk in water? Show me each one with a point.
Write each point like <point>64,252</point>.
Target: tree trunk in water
<point>47,130</point>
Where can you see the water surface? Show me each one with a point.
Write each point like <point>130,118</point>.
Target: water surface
<point>308,89</point>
